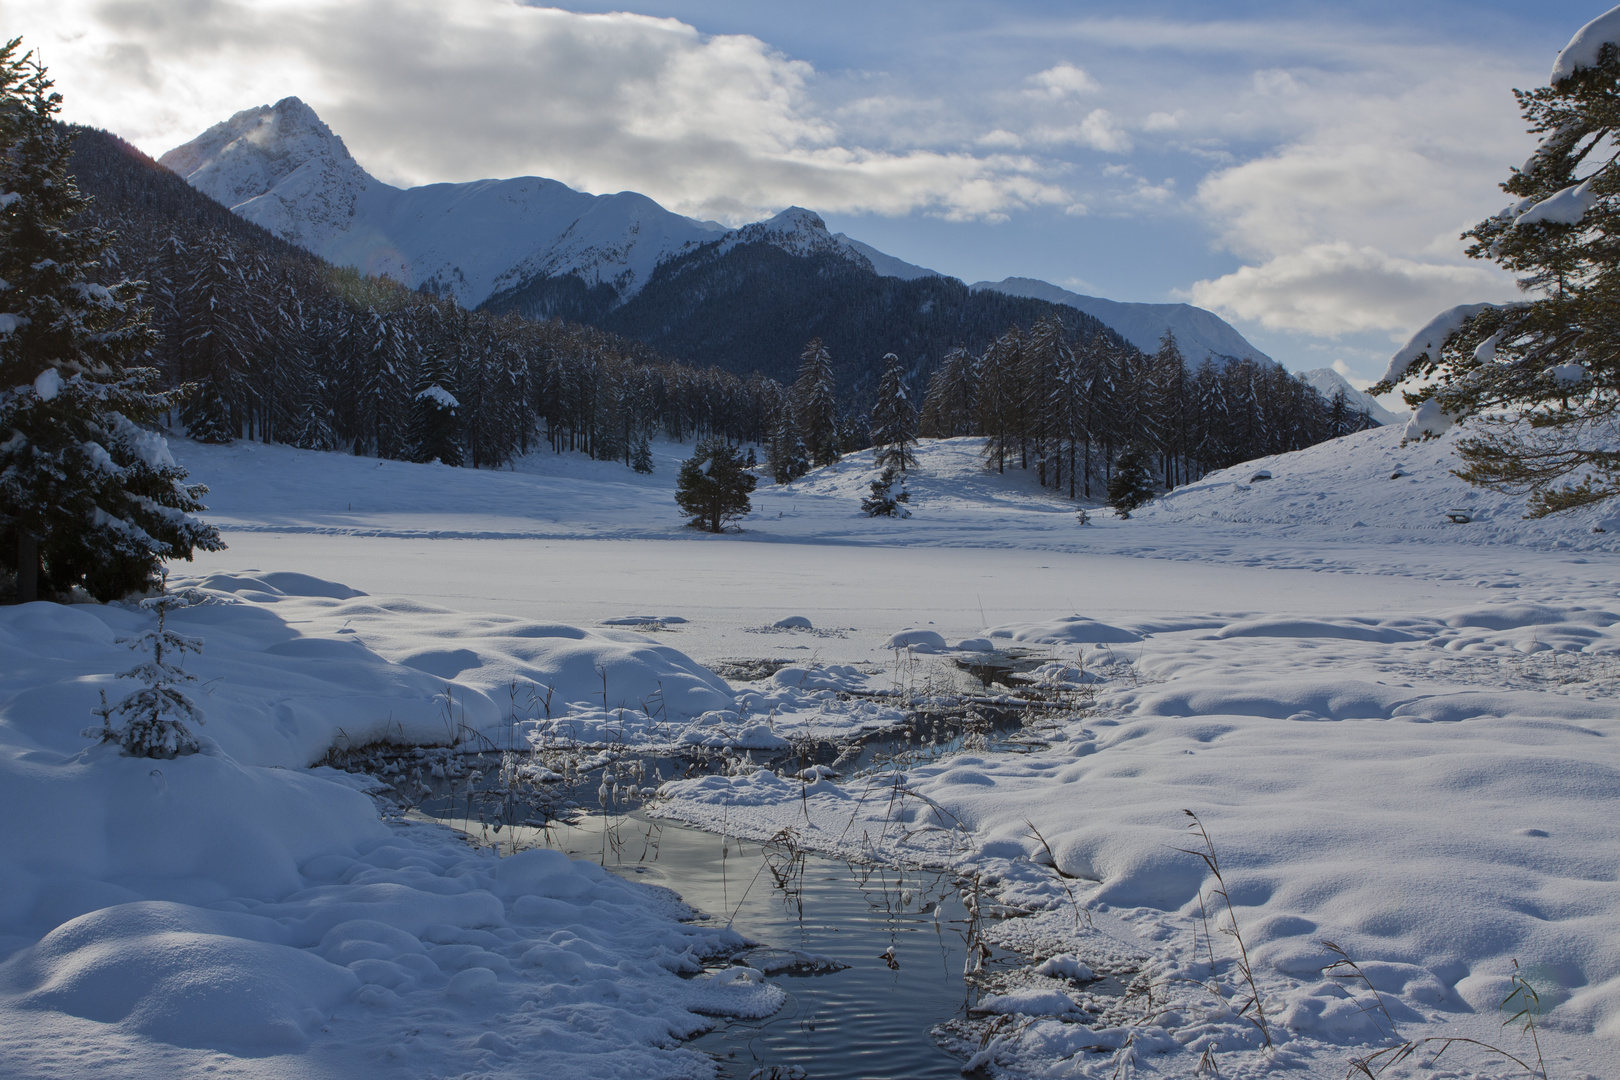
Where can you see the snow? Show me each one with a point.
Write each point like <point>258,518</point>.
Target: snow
<point>1430,339</point>
<point>1583,49</point>
<point>438,394</point>
<point>1566,207</point>
<point>281,167</point>
<point>1428,420</point>
<point>49,384</point>
<point>1399,732</point>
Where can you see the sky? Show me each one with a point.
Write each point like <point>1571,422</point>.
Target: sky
<point>1303,169</point>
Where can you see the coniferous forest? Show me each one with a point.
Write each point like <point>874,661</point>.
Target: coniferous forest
<point>277,345</point>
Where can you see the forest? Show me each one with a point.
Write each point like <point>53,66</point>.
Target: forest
<point>273,344</point>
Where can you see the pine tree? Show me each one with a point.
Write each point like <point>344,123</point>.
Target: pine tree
<point>789,459</point>
<point>815,404</point>
<point>894,420</point>
<point>713,486</point>
<point>1132,483</point>
<point>156,715</point>
<point>1542,376</point>
<point>433,426</point>
<point>951,400</point>
<point>86,494</point>
<point>883,500</point>
<point>641,461</point>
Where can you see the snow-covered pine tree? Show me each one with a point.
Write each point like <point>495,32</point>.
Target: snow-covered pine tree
<point>1132,483</point>
<point>815,404</point>
<point>713,486</point>
<point>433,426</point>
<point>1549,360</point>
<point>893,428</point>
<point>641,460</point>
<point>154,718</point>
<point>949,405</point>
<point>216,343</point>
<point>789,459</point>
<point>88,496</point>
<point>999,392</point>
<point>884,501</point>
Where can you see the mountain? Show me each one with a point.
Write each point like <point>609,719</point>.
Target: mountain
<point>542,249</point>
<point>1200,334</point>
<point>281,167</point>
<point>749,302</point>
<point>1328,382</point>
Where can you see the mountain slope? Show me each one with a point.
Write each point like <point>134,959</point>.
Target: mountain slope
<point>1199,333</point>
<point>1328,382</point>
<point>281,167</point>
<point>750,302</point>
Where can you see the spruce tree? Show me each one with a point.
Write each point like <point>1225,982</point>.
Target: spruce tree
<point>641,461</point>
<point>1542,376</point>
<point>894,420</point>
<point>433,426</point>
<point>155,716</point>
<point>789,458</point>
<point>713,486</point>
<point>815,404</point>
<point>88,496</point>
<point>949,404</point>
<point>1132,483</point>
<point>883,500</point>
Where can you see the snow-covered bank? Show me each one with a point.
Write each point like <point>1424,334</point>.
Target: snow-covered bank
<point>1433,794</point>
<point>232,907</point>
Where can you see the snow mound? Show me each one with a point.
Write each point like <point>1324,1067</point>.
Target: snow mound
<point>1066,630</point>
<point>1373,481</point>
<point>919,641</point>
<point>234,902</point>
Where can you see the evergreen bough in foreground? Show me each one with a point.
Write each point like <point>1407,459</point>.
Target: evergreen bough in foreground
<point>1541,376</point>
<point>89,496</point>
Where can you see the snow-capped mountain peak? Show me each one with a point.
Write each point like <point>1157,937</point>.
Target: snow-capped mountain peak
<point>279,166</point>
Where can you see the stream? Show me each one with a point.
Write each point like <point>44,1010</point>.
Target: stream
<point>872,958</point>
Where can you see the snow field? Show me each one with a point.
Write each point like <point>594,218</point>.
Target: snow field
<point>158,913</point>
<point>1435,795</point>
<point>1397,735</point>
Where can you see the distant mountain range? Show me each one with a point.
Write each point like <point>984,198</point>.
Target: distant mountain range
<point>539,247</point>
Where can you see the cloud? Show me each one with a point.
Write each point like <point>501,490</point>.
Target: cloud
<point>1063,80</point>
<point>422,90</point>
<point>1328,289</point>
<point>1096,130</point>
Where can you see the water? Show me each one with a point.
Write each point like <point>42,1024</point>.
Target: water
<point>867,1021</point>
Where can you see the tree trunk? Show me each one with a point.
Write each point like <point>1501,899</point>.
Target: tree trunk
<point>27,568</point>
